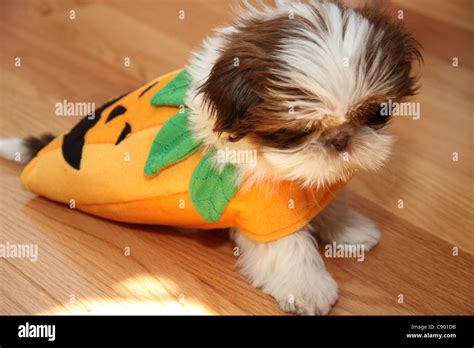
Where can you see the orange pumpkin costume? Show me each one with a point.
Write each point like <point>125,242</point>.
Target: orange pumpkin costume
<point>100,166</point>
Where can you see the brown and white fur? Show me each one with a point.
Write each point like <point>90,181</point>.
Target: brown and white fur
<point>301,83</point>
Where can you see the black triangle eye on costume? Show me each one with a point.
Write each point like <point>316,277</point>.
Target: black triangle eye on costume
<point>127,129</point>
<point>116,111</point>
<point>73,142</point>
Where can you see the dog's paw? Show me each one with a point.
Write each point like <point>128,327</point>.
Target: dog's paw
<point>353,229</point>
<point>315,295</point>
<point>359,231</point>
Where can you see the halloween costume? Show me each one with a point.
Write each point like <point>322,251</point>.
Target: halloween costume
<point>135,161</point>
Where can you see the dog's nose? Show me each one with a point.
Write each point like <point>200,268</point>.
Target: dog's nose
<point>340,141</point>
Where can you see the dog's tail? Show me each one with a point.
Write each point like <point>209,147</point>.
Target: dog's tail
<point>23,150</point>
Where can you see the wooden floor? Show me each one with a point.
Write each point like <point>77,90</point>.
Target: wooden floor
<point>82,267</point>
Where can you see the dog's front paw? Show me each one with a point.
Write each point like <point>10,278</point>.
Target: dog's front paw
<point>352,229</point>
<point>315,294</point>
<point>359,230</point>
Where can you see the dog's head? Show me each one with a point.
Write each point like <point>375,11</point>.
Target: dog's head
<point>304,84</point>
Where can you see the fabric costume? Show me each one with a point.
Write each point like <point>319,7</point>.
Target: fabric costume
<point>135,161</point>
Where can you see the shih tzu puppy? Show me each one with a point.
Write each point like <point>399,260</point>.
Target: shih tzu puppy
<point>302,83</point>
<point>307,92</point>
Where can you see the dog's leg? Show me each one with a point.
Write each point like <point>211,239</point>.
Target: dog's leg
<point>339,223</point>
<point>290,269</point>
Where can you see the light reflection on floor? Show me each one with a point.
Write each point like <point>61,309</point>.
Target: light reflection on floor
<point>142,295</point>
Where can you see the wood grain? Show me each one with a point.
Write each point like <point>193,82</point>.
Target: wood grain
<point>82,265</point>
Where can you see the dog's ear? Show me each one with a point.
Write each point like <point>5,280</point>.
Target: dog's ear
<point>395,53</point>
<point>230,92</point>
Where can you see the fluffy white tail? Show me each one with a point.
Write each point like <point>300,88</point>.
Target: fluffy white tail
<point>14,149</point>
<point>23,150</point>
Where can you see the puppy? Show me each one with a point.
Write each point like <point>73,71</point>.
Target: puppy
<point>302,84</point>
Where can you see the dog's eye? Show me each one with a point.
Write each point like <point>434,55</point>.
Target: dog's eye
<point>376,118</point>
<point>294,134</point>
<point>285,138</point>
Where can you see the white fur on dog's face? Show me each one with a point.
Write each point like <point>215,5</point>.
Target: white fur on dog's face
<point>302,84</point>
<point>317,166</point>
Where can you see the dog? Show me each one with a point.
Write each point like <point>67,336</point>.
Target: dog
<point>303,84</point>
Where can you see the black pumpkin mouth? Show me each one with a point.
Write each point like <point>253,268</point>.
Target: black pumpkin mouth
<point>73,142</point>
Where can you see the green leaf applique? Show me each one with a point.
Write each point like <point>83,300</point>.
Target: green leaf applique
<point>210,189</point>
<point>174,93</point>
<point>172,144</point>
